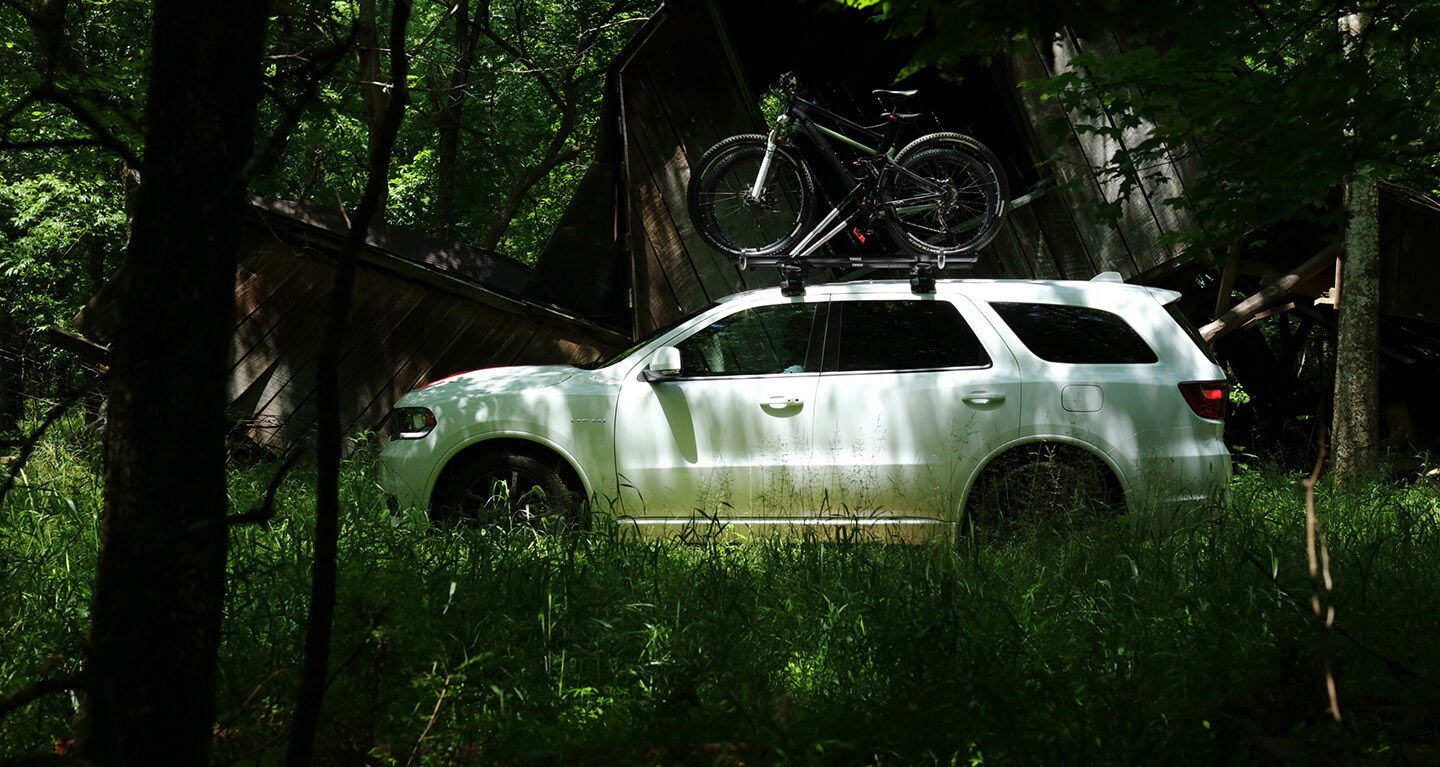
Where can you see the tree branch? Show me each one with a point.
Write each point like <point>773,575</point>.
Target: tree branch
<point>103,135</point>
<point>319,70</point>
<point>40,689</point>
<point>262,514</point>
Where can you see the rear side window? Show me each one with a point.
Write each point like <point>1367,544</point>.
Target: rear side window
<point>1075,334</point>
<point>902,335</point>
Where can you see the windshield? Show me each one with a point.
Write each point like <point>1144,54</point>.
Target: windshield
<point>662,330</point>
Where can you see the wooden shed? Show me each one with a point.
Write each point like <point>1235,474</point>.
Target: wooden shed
<point>421,312</point>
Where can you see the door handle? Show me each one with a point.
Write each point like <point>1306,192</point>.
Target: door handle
<point>984,398</point>
<point>780,400</point>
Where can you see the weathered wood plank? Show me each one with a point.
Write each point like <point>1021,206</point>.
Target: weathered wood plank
<point>1137,224</point>
<point>1159,184</point>
<point>1030,240</point>
<point>1105,245</point>
<point>663,201</point>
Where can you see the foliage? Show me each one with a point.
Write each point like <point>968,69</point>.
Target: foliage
<point>1119,643</point>
<point>62,197</point>
<point>1261,96</point>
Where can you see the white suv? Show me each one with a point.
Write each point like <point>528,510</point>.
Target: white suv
<point>853,404</point>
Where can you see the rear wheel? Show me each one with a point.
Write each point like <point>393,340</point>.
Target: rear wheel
<point>945,197</point>
<point>506,489</point>
<point>730,219</point>
<point>1044,486</point>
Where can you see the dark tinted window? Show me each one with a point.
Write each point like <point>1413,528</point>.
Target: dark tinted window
<point>904,335</point>
<point>758,341</point>
<point>1076,334</point>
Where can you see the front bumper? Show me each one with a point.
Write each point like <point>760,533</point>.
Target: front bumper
<point>404,473</point>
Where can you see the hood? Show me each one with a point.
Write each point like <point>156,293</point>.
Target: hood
<point>490,381</point>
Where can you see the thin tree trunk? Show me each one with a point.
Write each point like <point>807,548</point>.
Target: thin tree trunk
<point>452,110</point>
<point>160,582</point>
<point>1357,354</point>
<point>372,91</point>
<point>319,623</point>
<point>1356,439</point>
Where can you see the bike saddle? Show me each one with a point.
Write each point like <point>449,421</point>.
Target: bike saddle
<point>893,96</point>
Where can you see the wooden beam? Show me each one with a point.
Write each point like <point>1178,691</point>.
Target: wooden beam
<point>1244,310</point>
<point>83,348</point>
<point>1227,279</point>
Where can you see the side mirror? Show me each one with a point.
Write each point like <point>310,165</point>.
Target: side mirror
<point>664,364</point>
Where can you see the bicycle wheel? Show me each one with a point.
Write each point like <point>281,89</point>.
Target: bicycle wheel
<point>945,196</point>
<point>729,219</point>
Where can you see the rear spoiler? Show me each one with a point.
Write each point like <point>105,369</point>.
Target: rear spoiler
<point>1165,297</point>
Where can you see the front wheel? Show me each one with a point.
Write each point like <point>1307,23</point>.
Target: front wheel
<point>945,196</point>
<point>505,489</point>
<point>731,218</point>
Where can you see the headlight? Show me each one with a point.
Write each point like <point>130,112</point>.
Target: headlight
<point>411,422</point>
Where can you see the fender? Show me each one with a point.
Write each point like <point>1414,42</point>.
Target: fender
<point>1064,439</point>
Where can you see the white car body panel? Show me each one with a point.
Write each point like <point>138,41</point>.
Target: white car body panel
<point>796,450</point>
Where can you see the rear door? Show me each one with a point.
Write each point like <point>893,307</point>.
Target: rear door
<point>914,391</point>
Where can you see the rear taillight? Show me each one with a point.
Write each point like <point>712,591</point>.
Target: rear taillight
<point>1206,398</point>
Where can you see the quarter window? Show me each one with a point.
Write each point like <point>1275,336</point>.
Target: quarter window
<point>904,335</point>
<point>1075,334</point>
<point>763,340</point>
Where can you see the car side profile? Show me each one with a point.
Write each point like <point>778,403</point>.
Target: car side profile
<point>858,403</point>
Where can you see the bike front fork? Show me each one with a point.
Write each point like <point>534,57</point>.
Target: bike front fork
<point>759,188</point>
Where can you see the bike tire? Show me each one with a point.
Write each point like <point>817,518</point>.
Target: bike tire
<point>939,148</point>
<point>722,229</point>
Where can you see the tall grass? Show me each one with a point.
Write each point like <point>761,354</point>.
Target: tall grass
<point>1117,643</point>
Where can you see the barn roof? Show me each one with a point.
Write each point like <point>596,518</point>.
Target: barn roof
<point>483,267</point>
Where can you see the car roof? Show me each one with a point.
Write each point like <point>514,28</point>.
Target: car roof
<point>1043,291</point>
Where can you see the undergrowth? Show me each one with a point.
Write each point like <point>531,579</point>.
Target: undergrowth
<point>1115,643</point>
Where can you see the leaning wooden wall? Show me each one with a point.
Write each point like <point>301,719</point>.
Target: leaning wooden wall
<point>680,93</point>
<point>406,328</point>
<point>1081,243</point>
<point>402,333</point>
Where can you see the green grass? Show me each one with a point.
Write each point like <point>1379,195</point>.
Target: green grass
<point>1114,644</point>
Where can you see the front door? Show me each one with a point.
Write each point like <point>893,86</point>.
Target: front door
<point>915,390</point>
<point>715,440</point>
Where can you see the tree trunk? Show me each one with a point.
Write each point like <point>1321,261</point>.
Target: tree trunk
<point>372,90</point>
<point>160,581</point>
<point>315,673</point>
<point>1355,440</point>
<point>1357,355</point>
<point>452,107</point>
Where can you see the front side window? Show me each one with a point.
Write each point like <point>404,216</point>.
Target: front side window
<point>903,335</point>
<point>763,340</point>
<point>1075,334</point>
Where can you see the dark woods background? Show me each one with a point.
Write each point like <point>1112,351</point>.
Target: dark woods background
<point>134,132</point>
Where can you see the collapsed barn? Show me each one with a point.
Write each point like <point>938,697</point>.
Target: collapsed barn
<point>625,258</point>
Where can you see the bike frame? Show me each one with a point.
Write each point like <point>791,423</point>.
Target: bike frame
<point>853,206</point>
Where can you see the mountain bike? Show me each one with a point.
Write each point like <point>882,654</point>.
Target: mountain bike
<point>754,197</point>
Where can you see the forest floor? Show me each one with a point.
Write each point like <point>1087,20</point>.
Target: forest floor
<point>1110,644</point>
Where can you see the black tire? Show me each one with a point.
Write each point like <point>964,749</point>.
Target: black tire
<point>977,194</point>
<point>732,224</point>
<point>506,489</point>
<point>1042,486</point>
